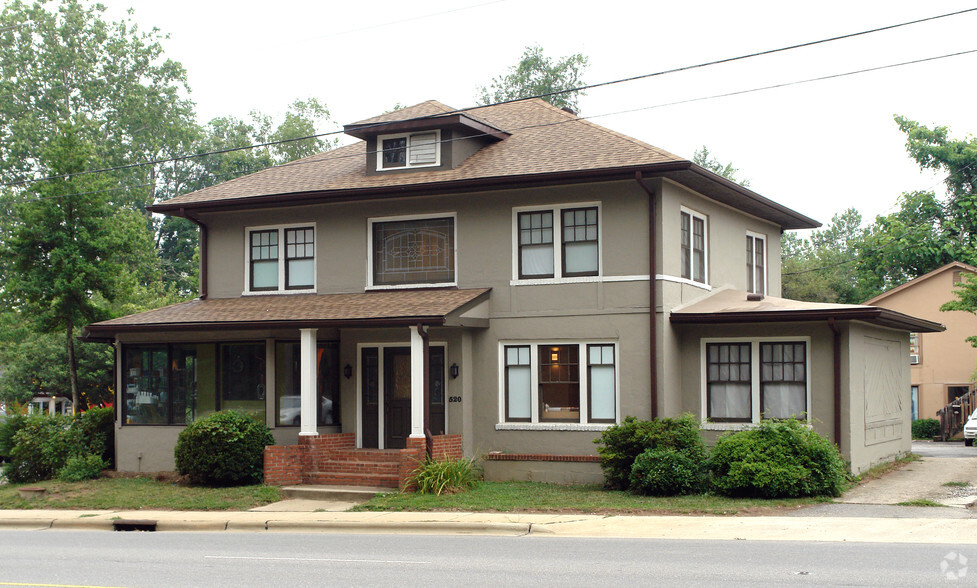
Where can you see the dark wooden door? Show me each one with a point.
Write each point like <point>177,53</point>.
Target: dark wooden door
<point>396,397</point>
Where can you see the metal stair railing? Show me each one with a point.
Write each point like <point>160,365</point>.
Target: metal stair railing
<point>954,415</point>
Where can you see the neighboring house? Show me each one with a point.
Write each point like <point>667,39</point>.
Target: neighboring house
<point>941,364</point>
<point>505,281</point>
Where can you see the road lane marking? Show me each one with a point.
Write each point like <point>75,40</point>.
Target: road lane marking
<point>381,561</point>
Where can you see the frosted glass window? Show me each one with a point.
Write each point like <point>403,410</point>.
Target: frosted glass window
<point>518,383</point>
<point>602,383</point>
<point>729,381</point>
<point>783,380</point>
<point>580,242</point>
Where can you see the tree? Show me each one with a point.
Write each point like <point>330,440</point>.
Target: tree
<point>62,254</point>
<point>538,75</point>
<point>821,267</point>
<point>705,159</point>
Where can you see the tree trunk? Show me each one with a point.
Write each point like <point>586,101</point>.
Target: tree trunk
<point>72,366</point>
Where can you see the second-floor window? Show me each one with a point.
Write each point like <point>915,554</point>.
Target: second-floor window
<point>281,258</point>
<point>413,252</point>
<point>756,266</point>
<point>694,242</point>
<point>575,229</point>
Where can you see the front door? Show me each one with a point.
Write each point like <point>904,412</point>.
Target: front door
<point>395,388</point>
<point>396,397</point>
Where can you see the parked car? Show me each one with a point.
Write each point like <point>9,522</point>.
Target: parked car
<point>970,430</point>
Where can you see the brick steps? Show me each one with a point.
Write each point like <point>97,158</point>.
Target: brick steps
<point>352,479</point>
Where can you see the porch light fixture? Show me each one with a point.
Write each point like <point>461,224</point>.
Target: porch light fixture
<point>453,370</point>
<point>348,371</point>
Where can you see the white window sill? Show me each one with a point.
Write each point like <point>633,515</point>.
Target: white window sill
<point>276,292</point>
<point>710,426</point>
<point>415,286</point>
<point>552,426</point>
<point>577,280</point>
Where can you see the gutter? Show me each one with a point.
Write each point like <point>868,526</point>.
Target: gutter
<point>652,295</point>
<point>202,287</point>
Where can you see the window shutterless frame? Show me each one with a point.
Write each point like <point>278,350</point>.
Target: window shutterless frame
<point>556,243</point>
<point>263,248</point>
<point>299,247</point>
<point>280,258</point>
<point>756,263</point>
<point>783,364</point>
<point>536,240</point>
<point>601,381</point>
<point>579,230</point>
<point>694,246</point>
<point>409,150</point>
<point>728,364</point>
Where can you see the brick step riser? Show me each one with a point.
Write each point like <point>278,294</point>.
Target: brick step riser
<point>386,481</point>
<point>365,455</point>
<point>358,468</point>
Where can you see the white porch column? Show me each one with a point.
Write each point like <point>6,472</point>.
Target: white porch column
<point>416,384</point>
<point>52,406</point>
<point>308,366</point>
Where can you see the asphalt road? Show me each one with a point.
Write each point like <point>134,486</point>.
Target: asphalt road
<point>940,449</point>
<point>80,558</point>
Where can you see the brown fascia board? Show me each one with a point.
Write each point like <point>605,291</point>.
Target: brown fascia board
<point>763,208</point>
<point>93,332</point>
<point>422,124</point>
<point>881,316</point>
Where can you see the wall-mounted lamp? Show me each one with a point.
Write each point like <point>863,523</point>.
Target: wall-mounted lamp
<point>453,370</point>
<point>348,371</point>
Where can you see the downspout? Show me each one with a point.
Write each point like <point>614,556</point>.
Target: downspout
<point>652,297</point>
<point>428,437</point>
<point>203,252</point>
<point>837,371</point>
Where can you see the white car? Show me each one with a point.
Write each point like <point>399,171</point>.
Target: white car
<point>970,430</point>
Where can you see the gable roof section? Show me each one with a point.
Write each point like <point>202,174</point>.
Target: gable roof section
<point>728,306</point>
<point>380,308</point>
<point>545,145</point>
<point>959,265</point>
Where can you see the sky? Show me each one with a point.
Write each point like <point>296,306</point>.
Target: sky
<point>818,147</point>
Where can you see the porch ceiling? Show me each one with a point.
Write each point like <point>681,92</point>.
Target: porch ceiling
<point>379,308</point>
<point>729,306</point>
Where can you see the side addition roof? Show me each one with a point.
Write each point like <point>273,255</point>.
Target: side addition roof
<point>733,306</point>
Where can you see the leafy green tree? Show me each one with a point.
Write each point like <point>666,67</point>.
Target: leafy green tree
<point>536,75</point>
<point>706,159</point>
<point>62,254</point>
<point>821,268</point>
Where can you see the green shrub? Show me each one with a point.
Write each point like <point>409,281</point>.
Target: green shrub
<point>444,476</point>
<point>8,428</point>
<point>666,472</point>
<point>224,449</point>
<point>926,428</point>
<point>81,467</point>
<point>41,447</point>
<point>783,459</point>
<point>623,443</point>
<point>98,430</point>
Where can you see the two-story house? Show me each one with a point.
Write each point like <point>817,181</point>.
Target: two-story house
<point>941,364</point>
<point>504,281</point>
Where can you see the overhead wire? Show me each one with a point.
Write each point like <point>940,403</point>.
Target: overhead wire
<point>542,95</point>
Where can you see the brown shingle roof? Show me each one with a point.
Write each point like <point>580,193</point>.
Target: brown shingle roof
<point>545,144</point>
<point>386,307</point>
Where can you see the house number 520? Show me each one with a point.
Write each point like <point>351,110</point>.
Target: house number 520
<point>454,399</point>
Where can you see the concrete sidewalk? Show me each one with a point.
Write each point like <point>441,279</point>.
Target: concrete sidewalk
<point>857,529</point>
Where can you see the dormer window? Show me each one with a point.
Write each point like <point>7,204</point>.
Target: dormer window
<point>409,150</point>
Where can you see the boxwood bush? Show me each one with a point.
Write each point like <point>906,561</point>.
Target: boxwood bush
<point>41,447</point>
<point>224,449</point>
<point>781,459</point>
<point>98,430</point>
<point>666,471</point>
<point>926,428</point>
<point>622,444</point>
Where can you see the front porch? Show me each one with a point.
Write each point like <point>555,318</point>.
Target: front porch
<point>334,459</point>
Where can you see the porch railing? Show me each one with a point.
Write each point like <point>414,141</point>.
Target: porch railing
<point>954,415</point>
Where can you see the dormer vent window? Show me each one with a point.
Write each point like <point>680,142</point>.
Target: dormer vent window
<point>411,150</point>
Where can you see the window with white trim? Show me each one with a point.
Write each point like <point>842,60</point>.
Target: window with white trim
<point>756,266</point>
<point>422,149</point>
<point>915,349</point>
<point>547,383</point>
<point>745,381</point>
<point>536,233</point>
<point>273,267</point>
<point>694,247</point>
<point>412,252</point>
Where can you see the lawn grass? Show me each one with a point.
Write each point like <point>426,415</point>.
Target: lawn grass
<point>555,498</point>
<point>137,493</point>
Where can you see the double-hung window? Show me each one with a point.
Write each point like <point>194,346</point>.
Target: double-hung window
<point>749,380</point>
<point>756,266</point>
<point>411,150</point>
<point>694,246</point>
<point>273,267</point>
<point>559,383</point>
<point>538,232</point>
<point>412,252</point>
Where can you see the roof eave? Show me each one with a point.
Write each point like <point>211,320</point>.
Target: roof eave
<point>880,316</point>
<point>362,131</point>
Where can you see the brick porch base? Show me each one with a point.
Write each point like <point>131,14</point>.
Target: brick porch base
<point>334,459</point>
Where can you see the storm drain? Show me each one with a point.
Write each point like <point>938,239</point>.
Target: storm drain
<point>133,525</point>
